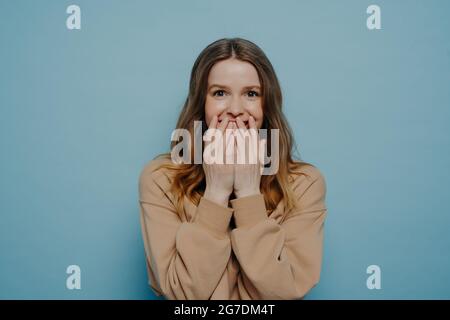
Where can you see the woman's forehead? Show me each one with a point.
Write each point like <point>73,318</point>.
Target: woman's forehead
<point>233,73</point>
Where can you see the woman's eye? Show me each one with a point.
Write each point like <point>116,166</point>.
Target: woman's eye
<point>253,93</point>
<point>219,93</point>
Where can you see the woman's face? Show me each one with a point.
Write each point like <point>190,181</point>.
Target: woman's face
<point>234,90</point>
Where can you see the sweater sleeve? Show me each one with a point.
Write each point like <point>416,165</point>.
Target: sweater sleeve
<point>185,260</point>
<point>280,261</point>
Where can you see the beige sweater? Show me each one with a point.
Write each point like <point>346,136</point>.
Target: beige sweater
<point>199,254</point>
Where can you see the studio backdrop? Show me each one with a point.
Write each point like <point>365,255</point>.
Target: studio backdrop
<point>90,92</point>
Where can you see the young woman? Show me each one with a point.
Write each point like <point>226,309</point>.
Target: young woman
<point>225,231</point>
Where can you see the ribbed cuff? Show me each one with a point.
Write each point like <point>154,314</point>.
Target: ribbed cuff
<point>213,216</point>
<point>249,210</point>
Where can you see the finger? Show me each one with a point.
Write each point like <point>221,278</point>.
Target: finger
<point>240,134</point>
<point>262,148</point>
<point>230,148</point>
<point>209,131</point>
<point>213,123</point>
<point>253,147</point>
<point>242,130</point>
<point>252,132</point>
<point>252,128</point>
<point>227,138</point>
<point>252,123</point>
<point>240,145</point>
<point>216,130</point>
<point>240,123</point>
<point>223,124</point>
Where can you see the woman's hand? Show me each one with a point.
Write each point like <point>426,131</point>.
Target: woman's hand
<point>219,176</point>
<point>247,176</point>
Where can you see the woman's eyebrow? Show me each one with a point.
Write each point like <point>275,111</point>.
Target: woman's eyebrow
<point>218,86</point>
<point>226,87</point>
<point>253,87</point>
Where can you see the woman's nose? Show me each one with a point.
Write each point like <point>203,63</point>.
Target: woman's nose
<point>236,109</point>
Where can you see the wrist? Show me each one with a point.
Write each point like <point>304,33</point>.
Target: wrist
<point>246,193</point>
<point>217,197</point>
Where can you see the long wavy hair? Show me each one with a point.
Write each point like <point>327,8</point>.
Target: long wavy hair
<point>189,179</point>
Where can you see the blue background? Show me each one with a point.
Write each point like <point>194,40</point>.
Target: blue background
<point>82,111</point>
